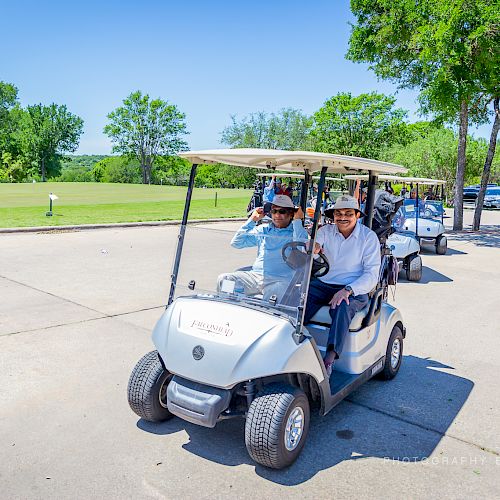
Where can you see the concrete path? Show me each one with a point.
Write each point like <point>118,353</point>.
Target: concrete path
<point>76,313</point>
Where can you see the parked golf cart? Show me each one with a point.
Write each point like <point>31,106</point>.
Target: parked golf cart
<point>220,353</point>
<point>424,218</point>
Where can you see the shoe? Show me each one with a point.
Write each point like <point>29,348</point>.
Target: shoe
<point>329,368</point>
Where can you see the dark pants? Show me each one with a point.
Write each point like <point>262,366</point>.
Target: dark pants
<point>319,295</point>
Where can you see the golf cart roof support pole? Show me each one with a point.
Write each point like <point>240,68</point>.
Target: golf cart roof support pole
<point>298,336</point>
<point>417,214</point>
<point>370,198</point>
<point>182,232</point>
<point>304,189</point>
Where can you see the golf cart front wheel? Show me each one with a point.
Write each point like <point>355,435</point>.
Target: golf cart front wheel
<point>441,244</point>
<point>276,426</point>
<point>147,389</point>
<point>414,268</point>
<point>393,355</point>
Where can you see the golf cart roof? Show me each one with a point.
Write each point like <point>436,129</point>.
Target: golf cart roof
<point>295,176</point>
<point>396,178</point>
<point>290,161</point>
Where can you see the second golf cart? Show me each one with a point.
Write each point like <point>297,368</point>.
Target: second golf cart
<point>221,353</point>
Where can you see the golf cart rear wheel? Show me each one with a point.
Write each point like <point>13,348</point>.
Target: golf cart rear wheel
<point>147,389</point>
<point>276,425</point>
<point>393,355</point>
<point>441,244</point>
<point>414,268</point>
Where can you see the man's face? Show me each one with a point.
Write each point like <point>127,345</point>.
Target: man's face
<point>346,219</point>
<point>281,216</point>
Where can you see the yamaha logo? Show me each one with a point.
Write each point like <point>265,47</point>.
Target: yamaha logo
<point>198,352</point>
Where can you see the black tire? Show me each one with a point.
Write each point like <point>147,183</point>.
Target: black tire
<point>441,244</point>
<point>391,369</point>
<point>414,268</point>
<point>147,389</point>
<point>266,424</point>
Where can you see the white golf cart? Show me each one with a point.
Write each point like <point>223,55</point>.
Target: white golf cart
<point>424,217</point>
<point>222,351</point>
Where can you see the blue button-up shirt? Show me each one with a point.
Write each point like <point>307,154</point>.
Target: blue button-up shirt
<point>269,241</point>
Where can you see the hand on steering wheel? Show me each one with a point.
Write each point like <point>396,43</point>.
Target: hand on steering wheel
<point>295,255</point>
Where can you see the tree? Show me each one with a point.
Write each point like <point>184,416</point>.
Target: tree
<point>289,129</point>
<point>8,100</point>
<point>361,125</point>
<point>487,166</point>
<point>434,154</point>
<point>445,48</point>
<point>146,129</point>
<point>45,133</point>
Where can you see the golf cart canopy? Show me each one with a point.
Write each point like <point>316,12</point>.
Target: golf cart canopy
<point>397,178</point>
<point>290,161</point>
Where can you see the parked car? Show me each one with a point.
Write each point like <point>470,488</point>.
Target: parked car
<point>470,193</point>
<point>492,197</point>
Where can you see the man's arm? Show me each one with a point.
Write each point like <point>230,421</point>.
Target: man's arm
<point>247,236</point>
<point>299,232</point>
<point>371,266</point>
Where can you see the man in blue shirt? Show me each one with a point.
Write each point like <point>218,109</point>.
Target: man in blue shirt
<point>270,275</point>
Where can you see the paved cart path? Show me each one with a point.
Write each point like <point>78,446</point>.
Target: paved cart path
<point>76,314</point>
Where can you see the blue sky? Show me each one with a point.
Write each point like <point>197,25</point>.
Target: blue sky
<point>212,59</point>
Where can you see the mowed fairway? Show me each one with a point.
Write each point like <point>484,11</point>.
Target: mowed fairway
<point>25,205</point>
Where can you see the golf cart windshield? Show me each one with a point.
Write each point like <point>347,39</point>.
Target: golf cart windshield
<point>257,265</point>
<point>411,209</point>
<point>268,265</point>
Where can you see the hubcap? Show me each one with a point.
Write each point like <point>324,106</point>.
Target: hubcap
<point>395,353</point>
<point>162,395</point>
<point>294,428</point>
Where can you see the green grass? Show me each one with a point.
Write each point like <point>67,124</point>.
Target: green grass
<point>24,205</point>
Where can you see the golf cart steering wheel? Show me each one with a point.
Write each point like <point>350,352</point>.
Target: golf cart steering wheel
<point>294,254</point>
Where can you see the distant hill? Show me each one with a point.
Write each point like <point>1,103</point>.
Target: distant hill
<point>73,161</point>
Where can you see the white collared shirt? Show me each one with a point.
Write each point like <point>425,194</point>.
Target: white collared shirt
<point>354,261</point>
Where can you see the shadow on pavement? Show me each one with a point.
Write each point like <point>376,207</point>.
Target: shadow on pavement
<point>487,236</point>
<point>401,420</point>
<point>428,248</point>
<point>429,275</point>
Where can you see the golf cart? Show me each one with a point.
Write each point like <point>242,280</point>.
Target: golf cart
<point>222,352</point>
<point>423,218</point>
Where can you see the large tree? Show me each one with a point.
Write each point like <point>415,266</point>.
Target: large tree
<point>146,128</point>
<point>361,125</point>
<point>288,129</point>
<point>433,153</point>
<point>8,100</point>
<point>46,133</point>
<point>444,48</point>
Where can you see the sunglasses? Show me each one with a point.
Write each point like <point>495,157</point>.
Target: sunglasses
<point>281,211</point>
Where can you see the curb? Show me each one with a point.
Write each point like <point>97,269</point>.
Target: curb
<point>86,227</point>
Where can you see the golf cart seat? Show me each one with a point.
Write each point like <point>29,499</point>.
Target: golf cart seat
<point>363,318</point>
<point>322,317</point>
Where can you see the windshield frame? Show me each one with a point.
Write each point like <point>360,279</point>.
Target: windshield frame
<point>297,319</point>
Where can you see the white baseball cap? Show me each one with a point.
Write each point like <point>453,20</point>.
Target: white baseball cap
<point>282,200</point>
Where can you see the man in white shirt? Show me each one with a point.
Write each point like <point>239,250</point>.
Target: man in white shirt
<point>353,251</point>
